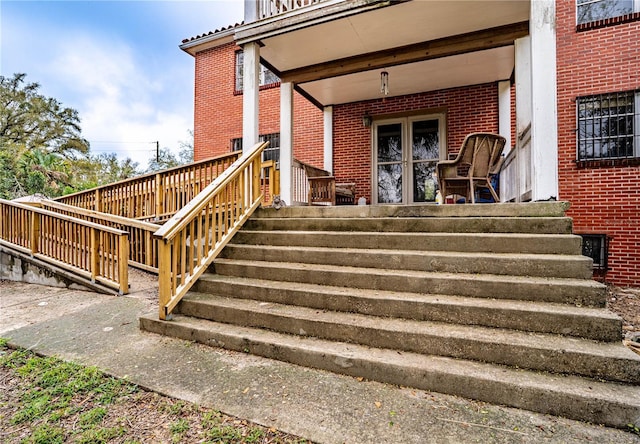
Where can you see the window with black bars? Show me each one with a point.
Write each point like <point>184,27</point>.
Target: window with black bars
<point>608,126</point>
<point>593,10</point>
<point>272,152</point>
<point>595,246</point>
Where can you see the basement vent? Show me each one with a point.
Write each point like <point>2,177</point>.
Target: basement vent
<point>596,246</point>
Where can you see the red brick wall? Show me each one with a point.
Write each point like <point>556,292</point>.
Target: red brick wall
<point>468,109</point>
<point>604,199</point>
<point>218,110</point>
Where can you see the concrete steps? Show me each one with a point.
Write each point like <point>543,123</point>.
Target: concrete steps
<point>492,302</point>
<point>612,404</point>
<point>563,266</point>
<point>575,291</point>
<point>535,351</point>
<point>562,319</point>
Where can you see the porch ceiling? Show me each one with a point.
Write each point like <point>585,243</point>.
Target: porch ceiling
<point>449,72</point>
<point>326,58</point>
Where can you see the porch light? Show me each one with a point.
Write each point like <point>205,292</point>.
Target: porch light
<point>367,120</point>
<point>384,83</point>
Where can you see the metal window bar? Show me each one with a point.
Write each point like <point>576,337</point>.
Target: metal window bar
<point>607,126</point>
<point>596,247</point>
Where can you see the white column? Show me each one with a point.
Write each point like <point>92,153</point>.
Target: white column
<point>250,94</point>
<point>504,113</point>
<point>286,142</point>
<point>544,115</point>
<point>328,138</point>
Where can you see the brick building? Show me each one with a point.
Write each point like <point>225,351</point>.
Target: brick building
<point>551,76</point>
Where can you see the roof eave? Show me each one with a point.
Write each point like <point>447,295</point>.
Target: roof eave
<point>205,42</point>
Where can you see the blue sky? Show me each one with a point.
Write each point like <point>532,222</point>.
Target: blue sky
<point>116,62</point>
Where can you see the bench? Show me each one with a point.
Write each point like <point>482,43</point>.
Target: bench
<point>324,190</point>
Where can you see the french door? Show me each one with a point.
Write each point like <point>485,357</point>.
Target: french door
<point>405,154</point>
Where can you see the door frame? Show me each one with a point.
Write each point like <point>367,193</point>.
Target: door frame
<point>407,171</point>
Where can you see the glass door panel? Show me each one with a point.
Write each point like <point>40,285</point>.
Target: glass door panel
<point>389,151</point>
<point>425,153</point>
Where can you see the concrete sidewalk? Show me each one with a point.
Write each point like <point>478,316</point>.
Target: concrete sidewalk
<point>100,330</point>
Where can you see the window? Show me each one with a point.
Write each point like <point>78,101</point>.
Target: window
<point>272,152</point>
<point>267,78</point>
<point>595,246</point>
<point>594,10</point>
<point>609,126</point>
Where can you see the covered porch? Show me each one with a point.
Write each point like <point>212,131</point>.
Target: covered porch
<point>386,74</point>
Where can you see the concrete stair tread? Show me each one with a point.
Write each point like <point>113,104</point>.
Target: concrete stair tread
<point>421,253</point>
<point>422,298</point>
<point>614,404</point>
<point>323,268</point>
<point>531,209</point>
<point>550,225</point>
<point>452,338</point>
<point>470,242</point>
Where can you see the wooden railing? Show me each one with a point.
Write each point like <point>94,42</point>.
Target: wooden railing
<point>269,182</point>
<point>143,247</point>
<point>94,251</point>
<point>299,184</point>
<point>152,197</point>
<point>196,234</point>
<point>270,8</point>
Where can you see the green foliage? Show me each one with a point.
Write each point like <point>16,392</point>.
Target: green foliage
<point>101,435</point>
<point>42,150</point>
<point>46,434</point>
<point>53,385</point>
<point>32,121</point>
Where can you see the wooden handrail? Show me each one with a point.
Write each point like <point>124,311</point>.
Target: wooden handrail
<point>94,251</point>
<point>143,247</point>
<point>154,194</point>
<point>195,235</point>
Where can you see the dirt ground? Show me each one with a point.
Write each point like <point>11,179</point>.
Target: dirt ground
<point>626,303</point>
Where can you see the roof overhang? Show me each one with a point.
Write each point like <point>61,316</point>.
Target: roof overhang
<point>334,53</point>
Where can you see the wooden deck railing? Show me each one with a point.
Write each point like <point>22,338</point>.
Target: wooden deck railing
<point>270,8</point>
<point>196,234</point>
<point>94,251</point>
<point>143,247</point>
<point>152,197</point>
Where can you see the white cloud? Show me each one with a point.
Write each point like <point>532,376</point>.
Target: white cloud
<point>130,88</point>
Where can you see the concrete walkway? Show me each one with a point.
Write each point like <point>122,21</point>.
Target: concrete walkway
<point>101,330</point>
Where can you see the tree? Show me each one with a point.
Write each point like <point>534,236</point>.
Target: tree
<point>39,139</point>
<point>165,159</point>
<point>103,169</point>
<point>29,120</point>
<point>185,155</point>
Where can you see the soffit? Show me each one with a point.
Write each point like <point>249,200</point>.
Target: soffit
<point>397,25</point>
<point>448,72</point>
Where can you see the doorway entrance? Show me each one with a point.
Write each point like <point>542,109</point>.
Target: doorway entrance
<point>405,154</point>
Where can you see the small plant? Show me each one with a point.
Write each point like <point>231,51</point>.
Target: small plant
<point>46,434</point>
<point>178,428</point>
<point>634,428</point>
<point>92,417</point>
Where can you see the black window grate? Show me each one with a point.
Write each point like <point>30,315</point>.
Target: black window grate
<point>596,247</point>
<point>607,124</point>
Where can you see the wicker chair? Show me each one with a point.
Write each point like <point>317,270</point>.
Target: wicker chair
<point>478,159</point>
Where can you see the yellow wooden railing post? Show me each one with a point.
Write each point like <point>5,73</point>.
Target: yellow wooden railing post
<point>34,238</point>
<point>164,276</point>
<point>159,195</point>
<point>98,200</point>
<point>123,263</point>
<point>95,254</point>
